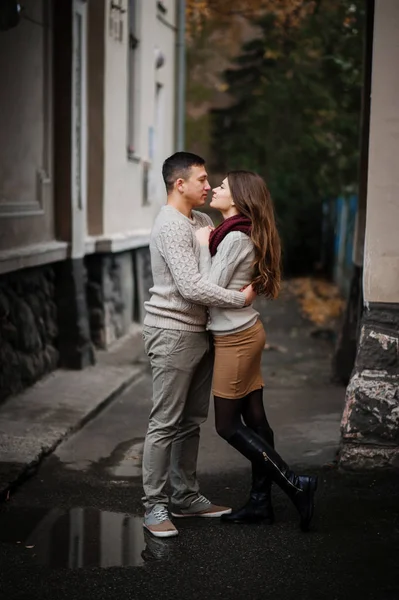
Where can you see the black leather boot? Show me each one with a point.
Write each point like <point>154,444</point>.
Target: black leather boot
<point>300,489</point>
<point>259,506</point>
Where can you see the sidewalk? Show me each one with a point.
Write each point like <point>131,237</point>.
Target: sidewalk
<point>33,423</point>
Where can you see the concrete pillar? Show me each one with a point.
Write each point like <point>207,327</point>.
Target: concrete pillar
<point>370,423</point>
<point>346,348</point>
<point>70,124</point>
<point>96,100</point>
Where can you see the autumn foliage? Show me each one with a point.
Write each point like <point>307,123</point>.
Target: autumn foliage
<point>275,87</point>
<point>287,13</point>
<point>320,301</point>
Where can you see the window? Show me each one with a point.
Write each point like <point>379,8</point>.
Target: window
<point>155,184</point>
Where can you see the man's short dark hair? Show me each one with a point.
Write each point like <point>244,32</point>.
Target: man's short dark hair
<point>179,165</point>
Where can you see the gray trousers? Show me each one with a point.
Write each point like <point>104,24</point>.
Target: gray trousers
<point>182,366</point>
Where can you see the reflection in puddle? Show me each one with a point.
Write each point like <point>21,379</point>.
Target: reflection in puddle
<point>130,465</point>
<point>82,537</point>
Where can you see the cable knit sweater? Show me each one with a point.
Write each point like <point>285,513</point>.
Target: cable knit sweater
<point>231,267</point>
<point>180,294</point>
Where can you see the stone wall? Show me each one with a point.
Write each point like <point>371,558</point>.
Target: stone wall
<point>370,422</point>
<point>74,340</point>
<point>144,281</point>
<point>95,299</point>
<point>28,328</point>
<point>346,346</point>
<point>45,313</point>
<point>117,286</point>
<point>110,294</point>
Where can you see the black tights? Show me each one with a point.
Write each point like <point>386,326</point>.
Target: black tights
<point>228,414</point>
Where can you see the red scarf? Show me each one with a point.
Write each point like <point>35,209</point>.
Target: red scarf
<point>235,223</point>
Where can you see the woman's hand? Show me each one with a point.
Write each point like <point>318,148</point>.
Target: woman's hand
<point>249,294</point>
<point>203,234</point>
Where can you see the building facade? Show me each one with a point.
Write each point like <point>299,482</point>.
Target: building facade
<point>87,115</point>
<point>370,422</point>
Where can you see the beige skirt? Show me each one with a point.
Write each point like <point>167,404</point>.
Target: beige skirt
<point>238,356</point>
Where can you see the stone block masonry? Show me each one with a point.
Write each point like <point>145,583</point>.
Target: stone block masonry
<point>28,328</point>
<point>110,296</point>
<point>74,342</point>
<point>53,316</point>
<point>144,281</point>
<point>370,422</point>
<point>117,286</point>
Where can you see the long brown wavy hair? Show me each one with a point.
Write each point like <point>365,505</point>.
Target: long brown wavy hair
<point>252,199</point>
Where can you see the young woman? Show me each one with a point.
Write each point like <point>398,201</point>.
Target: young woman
<point>244,248</point>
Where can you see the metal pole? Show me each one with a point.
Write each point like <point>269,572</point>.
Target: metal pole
<point>181,75</point>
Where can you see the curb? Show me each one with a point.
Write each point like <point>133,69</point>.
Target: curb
<point>29,469</point>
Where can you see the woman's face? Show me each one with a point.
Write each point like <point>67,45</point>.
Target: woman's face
<point>221,197</point>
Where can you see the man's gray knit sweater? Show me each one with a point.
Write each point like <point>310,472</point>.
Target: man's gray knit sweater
<point>180,294</point>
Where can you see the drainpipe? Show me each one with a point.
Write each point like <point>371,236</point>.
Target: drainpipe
<point>181,75</point>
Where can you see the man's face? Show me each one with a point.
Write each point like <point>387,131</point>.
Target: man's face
<point>195,189</point>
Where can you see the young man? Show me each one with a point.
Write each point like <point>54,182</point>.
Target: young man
<point>179,348</point>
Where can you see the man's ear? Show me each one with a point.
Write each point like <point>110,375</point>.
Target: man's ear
<point>179,184</point>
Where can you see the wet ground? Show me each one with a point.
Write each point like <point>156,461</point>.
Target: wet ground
<point>75,528</point>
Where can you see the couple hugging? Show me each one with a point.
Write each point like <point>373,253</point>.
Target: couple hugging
<point>200,325</point>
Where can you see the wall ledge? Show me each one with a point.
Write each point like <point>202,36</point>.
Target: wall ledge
<point>117,242</point>
<point>34,255</point>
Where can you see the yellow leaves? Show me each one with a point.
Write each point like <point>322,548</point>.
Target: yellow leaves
<point>272,54</point>
<point>197,11</point>
<point>287,13</point>
<point>320,300</point>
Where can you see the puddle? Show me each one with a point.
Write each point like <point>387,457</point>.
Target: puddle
<point>130,465</point>
<point>124,462</point>
<point>82,537</point>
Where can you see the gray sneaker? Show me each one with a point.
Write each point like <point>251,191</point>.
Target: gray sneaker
<point>157,521</point>
<point>201,507</point>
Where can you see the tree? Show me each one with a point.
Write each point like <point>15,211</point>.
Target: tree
<point>215,31</point>
<point>284,11</point>
<point>295,116</point>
